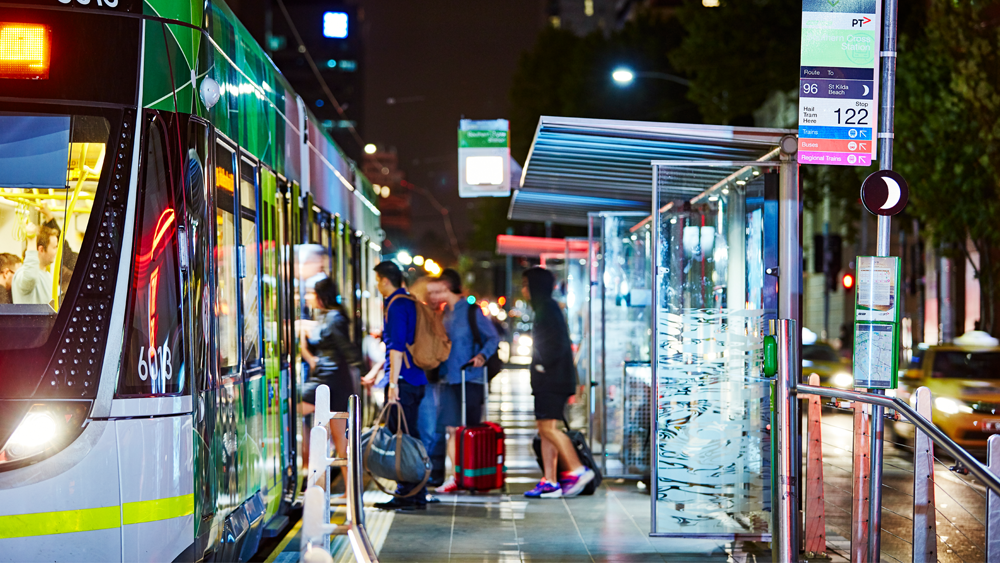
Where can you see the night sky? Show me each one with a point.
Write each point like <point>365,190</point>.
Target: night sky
<point>441,60</point>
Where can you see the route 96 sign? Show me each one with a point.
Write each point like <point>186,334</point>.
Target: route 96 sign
<point>838,82</point>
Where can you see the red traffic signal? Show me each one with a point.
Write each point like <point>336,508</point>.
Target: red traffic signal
<point>847,281</point>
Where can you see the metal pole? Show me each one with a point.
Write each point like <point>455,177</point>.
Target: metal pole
<point>993,503</point>
<point>789,245</point>
<point>355,475</point>
<point>790,283</point>
<point>787,408</point>
<point>654,489</point>
<point>591,359</point>
<point>885,139</point>
<point>924,517</point>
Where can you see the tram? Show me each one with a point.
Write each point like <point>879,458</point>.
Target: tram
<point>159,184</point>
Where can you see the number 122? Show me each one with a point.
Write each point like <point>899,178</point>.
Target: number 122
<point>850,114</point>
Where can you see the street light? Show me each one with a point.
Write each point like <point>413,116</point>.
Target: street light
<point>404,258</point>
<point>624,76</point>
<point>370,148</point>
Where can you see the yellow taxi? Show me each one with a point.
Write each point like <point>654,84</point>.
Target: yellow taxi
<point>964,380</point>
<point>833,369</point>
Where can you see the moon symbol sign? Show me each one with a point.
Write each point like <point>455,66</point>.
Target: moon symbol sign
<point>894,193</point>
<point>884,193</point>
<point>865,86</point>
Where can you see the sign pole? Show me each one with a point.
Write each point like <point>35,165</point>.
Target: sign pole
<point>885,138</point>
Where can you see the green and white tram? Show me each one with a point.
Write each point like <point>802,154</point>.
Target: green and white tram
<point>158,178</point>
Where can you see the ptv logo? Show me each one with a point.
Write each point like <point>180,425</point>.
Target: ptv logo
<point>860,22</point>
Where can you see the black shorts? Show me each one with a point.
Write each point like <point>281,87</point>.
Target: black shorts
<point>451,404</point>
<point>550,406</point>
<point>340,392</point>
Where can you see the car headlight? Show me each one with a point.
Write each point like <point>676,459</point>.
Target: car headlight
<point>843,379</point>
<point>45,428</point>
<point>951,406</point>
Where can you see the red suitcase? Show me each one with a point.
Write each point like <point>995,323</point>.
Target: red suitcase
<point>480,453</point>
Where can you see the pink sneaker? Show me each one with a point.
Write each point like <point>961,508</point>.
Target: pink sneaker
<point>544,489</point>
<point>572,484</point>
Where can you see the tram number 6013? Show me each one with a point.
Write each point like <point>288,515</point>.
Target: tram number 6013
<point>158,363</point>
<point>102,3</point>
<point>851,114</point>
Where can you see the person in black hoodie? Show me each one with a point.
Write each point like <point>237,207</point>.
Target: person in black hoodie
<point>553,382</point>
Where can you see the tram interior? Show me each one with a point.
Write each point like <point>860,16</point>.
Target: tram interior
<point>50,166</point>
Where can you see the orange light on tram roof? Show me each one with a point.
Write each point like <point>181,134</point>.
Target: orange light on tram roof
<point>25,51</point>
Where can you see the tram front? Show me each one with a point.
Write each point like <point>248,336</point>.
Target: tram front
<point>70,303</point>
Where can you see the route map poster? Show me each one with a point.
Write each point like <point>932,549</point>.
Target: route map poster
<point>838,81</point>
<point>876,357</point>
<point>878,289</point>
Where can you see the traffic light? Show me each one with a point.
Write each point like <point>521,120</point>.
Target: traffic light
<point>848,282</point>
<point>828,258</point>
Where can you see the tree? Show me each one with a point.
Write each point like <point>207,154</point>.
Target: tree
<point>948,134</point>
<point>739,54</point>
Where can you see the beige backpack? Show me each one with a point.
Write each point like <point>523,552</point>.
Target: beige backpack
<point>431,344</point>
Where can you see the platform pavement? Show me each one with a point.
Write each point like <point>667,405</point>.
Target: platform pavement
<point>611,525</point>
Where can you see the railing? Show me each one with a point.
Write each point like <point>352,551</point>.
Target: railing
<point>864,516</point>
<point>316,526</point>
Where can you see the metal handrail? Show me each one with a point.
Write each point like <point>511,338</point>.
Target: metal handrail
<point>941,439</point>
<point>316,508</point>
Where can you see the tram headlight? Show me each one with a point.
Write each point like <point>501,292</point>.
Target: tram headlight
<point>44,428</point>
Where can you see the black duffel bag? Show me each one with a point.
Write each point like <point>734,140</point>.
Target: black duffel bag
<point>395,455</point>
<point>582,451</point>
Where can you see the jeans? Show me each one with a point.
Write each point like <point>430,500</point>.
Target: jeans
<point>410,397</point>
<point>431,433</point>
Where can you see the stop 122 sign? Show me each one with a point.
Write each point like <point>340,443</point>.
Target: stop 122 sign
<point>838,82</point>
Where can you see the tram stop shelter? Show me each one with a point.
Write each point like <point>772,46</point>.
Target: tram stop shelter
<point>684,269</point>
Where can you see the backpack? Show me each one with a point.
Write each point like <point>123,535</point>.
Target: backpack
<point>493,363</point>
<point>431,344</point>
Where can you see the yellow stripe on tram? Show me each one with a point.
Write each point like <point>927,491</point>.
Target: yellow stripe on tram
<point>62,522</point>
<point>89,519</point>
<point>159,509</point>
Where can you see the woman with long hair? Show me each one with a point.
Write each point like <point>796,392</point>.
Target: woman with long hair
<point>333,361</point>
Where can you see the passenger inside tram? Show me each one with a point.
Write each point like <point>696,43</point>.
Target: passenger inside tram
<point>32,284</point>
<point>9,265</point>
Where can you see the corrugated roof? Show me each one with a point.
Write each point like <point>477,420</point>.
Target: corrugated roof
<point>579,165</point>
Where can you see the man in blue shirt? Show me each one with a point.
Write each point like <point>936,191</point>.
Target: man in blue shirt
<point>465,348</point>
<point>406,380</point>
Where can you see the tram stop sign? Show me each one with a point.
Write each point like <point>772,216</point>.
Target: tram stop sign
<point>884,193</point>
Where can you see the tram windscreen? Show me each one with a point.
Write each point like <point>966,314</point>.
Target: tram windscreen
<point>50,166</point>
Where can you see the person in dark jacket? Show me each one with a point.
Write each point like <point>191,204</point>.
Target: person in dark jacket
<point>333,361</point>
<point>553,382</point>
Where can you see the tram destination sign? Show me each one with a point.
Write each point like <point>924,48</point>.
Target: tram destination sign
<point>838,82</point>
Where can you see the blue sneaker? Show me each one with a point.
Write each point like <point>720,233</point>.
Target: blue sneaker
<point>544,489</point>
<point>573,485</point>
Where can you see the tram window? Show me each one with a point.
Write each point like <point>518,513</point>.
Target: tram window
<point>50,166</point>
<point>199,217</point>
<point>269,264</point>
<point>249,253</point>
<point>154,353</point>
<point>225,253</point>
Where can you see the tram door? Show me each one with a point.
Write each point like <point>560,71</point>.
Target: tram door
<point>230,397</point>
<point>198,226</point>
<point>248,265</point>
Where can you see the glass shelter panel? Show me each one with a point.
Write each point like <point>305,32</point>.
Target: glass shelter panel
<point>622,324</point>
<point>712,304</point>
